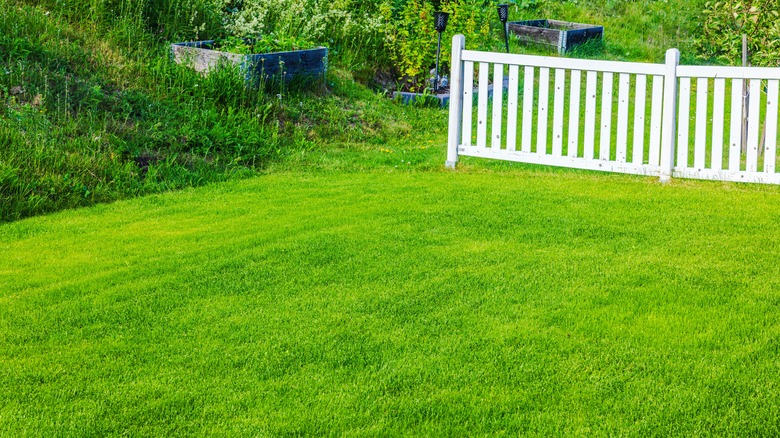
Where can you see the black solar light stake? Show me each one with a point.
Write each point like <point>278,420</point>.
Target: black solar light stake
<point>439,23</point>
<point>503,15</point>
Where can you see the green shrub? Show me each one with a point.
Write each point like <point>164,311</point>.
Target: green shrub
<point>411,38</point>
<point>349,28</point>
<point>726,21</point>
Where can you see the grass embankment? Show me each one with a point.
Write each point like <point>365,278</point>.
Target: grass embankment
<point>388,302</point>
<point>92,114</point>
<point>640,30</point>
<point>91,110</point>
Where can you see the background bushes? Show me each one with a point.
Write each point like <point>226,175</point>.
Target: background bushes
<point>726,21</point>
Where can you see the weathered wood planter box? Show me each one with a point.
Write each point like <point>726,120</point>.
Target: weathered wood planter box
<point>308,64</point>
<point>562,35</point>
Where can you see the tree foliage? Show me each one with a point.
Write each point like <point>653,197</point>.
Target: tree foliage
<point>726,21</point>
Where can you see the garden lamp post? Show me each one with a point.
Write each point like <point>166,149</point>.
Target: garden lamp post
<point>439,23</point>
<point>503,15</point>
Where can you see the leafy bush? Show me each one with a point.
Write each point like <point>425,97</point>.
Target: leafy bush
<point>342,25</point>
<point>726,21</point>
<point>411,38</point>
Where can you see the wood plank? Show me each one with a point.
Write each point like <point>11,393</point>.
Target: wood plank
<point>558,105</point>
<point>574,113</point>
<point>606,116</point>
<point>709,71</point>
<point>770,148</point>
<point>735,134</point>
<point>656,119</point>
<point>754,122</point>
<point>528,108</point>
<point>550,160</point>
<point>684,120</point>
<point>468,103</point>
<point>590,114</point>
<point>700,144</point>
<point>482,105</point>
<point>728,175</point>
<point>541,121</point>
<point>718,118</point>
<point>567,63</point>
<point>498,106</point>
<point>511,108</point>
<point>640,104</point>
<point>621,145</point>
<point>534,34</point>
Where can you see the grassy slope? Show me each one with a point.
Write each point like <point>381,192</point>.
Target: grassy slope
<point>91,111</point>
<point>86,117</point>
<point>391,302</point>
<point>634,30</point>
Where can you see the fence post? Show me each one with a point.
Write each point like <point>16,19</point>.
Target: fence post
<point>456,100</point>
<point>669,129</point>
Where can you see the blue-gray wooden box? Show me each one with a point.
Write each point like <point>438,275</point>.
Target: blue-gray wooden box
<point>298,64</point>
<point>562,35</point>
<point>443,99</point>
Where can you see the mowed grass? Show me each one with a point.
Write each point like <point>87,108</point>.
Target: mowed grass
<point>481,301</point>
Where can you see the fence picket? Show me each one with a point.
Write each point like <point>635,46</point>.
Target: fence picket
<point>638,152</point>
<point>544,100</point>
<point>718,117</point>
<point>770,149</point>
<point>468,102</point>
<point>700,145</point>
<point>528,108</point>
<point>482,105</point>
<point>684,120</point>
<point>622,128</point>
<point>511,109</point>
<point>754,120</point>
<point>574,113</point>
<point>560,82</point>
<point>735,134</point>
<point>498,106</point>
<point>606,116</point>
<point>656,118</point>
<point>590,114</point>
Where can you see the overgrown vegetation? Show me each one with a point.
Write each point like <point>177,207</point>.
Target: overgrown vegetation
<point>87,118</point>
<point>91,110</point>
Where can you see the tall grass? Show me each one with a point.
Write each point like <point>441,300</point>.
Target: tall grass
<point>82,122</point>
<point>91,109</point>
<point>86,119</point>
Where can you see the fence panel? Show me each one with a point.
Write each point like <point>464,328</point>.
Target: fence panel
<point>748,119</point>
<point>673,127</point>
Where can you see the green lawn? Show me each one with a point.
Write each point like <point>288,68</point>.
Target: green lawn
<point>487,300</point>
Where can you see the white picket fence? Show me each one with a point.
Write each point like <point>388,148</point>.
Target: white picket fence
<point>657,130</point>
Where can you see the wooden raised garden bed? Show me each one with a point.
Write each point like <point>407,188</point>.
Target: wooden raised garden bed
<point>308,64</point>
<point>562,35</point>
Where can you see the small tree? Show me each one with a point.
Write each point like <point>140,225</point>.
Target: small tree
<point>726,21</point>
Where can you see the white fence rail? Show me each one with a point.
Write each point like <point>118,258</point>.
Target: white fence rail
<point>616,116</point>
